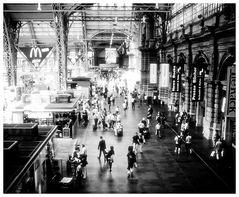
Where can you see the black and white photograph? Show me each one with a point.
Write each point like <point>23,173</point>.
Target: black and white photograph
<point>108,97</point>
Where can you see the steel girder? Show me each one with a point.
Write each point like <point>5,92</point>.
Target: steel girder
<point>105,18</point>
<point>84,46</point>
<point>11,34</point>
<point>61,29</point>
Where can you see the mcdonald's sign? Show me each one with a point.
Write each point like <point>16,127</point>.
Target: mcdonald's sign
<point>35,51</point>
<point>35,54</point>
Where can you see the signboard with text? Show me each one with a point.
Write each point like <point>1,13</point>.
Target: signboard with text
<point>231,92</point>
<point>36,54</point>
<point>198,84</point>
<point>176,79</point>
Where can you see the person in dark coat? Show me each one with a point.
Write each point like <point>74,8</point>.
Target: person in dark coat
<point>131,161</point>
<point>110,157</point>
<point>101,147</point>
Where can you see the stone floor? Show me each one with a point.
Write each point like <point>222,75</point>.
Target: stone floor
<point>159,169</point>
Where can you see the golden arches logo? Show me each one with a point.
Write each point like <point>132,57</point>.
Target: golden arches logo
<point>35,51</point>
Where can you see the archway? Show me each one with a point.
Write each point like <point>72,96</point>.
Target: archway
<point>226,123</point>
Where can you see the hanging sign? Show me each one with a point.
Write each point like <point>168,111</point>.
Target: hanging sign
<point>110,55</point>
<point>231,92</point>
<point>197,84</point>
<point>176,79</point>
<point>164,75</point>
<point>36,54</point>
<point>153,73</point>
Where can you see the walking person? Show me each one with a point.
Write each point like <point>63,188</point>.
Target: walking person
<point>96,118</point>
<point>158,130</point>
<point>141,142</point>
<point>141,127</point>
<point>124,106</point>
<point>135,142</point>
<point>101,147</point>
<point>178,142</point>
<point>188,143</point>
<point>158,119</point>
<point>110,157</point>
<point>219,149</point>
<point>184,128</point>
<point>131,161</point>
<point>104,125</point>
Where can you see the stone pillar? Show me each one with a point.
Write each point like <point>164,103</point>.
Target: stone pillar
<point>217,124</point>
<point>143,82</point>
<point>147,35</point>
<point>187,96</point>
<point>209,114</point>
<point>216,104</point>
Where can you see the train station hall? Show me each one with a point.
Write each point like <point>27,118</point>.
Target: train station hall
<point>118,98</point>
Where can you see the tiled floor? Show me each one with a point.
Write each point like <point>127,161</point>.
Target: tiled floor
<point>159,169</point>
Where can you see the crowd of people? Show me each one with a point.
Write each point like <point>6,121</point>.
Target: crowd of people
<point>105,113</point>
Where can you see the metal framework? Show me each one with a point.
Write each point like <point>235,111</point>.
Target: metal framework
<point>60,25</point>
<point>33,35</point>
<point>11,34</point>
<point>105,18</point>
<point>8,54</point>
<point>84,57</point>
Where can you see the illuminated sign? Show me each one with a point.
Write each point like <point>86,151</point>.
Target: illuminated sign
<point>176,79</point>
<point>153,73</point>
<point>231,92</point>
<point>197,84</point>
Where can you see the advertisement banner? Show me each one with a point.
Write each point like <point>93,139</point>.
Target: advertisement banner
<point>198,84</point>
<point>231,92</point>
<point>164,75</point>
<point>176,79</point>
<point>153,73</point>
<point>110,55</point>
<point>36,54</point>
